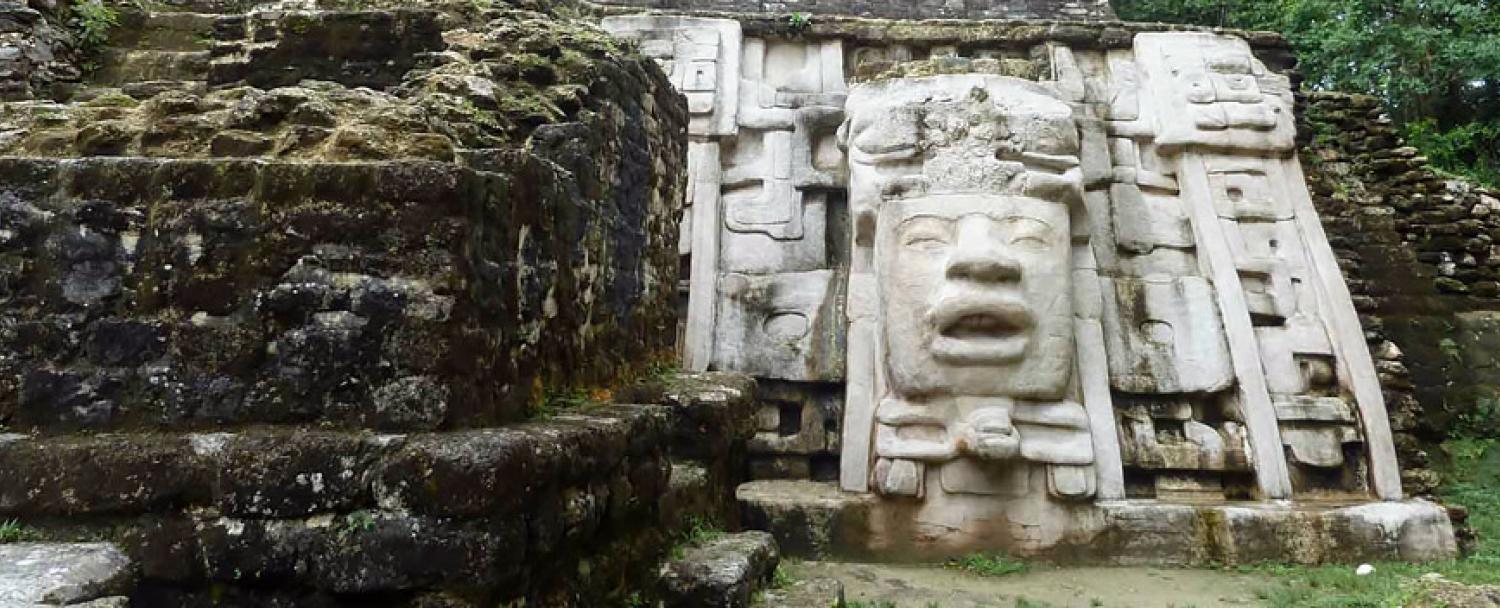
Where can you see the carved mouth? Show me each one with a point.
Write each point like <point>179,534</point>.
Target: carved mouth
<point>982,331</point>
<point>983,325</point>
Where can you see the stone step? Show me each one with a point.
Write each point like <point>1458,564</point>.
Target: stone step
<point>818,520</point>
<point>95,575</point>
<point>140,91</point>
<point>164,31</point>
<point>810,519</point>
<point>613,453</point>
<point>723,572</point>
<point>122,66</point>
<point>810,593</point>
<point>212,7</point>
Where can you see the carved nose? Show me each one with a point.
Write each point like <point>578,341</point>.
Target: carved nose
<point>978,257</point>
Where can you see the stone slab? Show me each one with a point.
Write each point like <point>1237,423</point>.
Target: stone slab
<point>720,573</point>
<point>60,574</point>
<point>809,519</point>
<point>810,593</point>
<point>818,521</point>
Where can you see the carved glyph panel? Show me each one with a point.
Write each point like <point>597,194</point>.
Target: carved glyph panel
<point>700,55</point>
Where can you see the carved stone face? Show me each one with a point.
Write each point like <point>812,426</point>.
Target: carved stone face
<point>975,295</point>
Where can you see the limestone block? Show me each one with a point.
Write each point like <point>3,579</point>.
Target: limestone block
<point>1268,257</point>
<point>1209,90</point>
<point>59,574</point>
<point>702,218</point>
<point>1189,488</point>
<point>1318,446</point>
<point>1066,74</point>
<point>1145,220</point>
<point>1163,336</point>
<point>1200,447</point>
<point>859,383</point>
<point>806,592</point>
<point>1315,409</point>
<point>1125,86</point>
<point>809,519</point>
<point>747,248</point>
<point>702,57</point>
<point>797,418</point>
<point>1247,194</point>
<point>779,168</point>
<point>783,326</point>
<point>723,573</point>
<point>1298,357</point>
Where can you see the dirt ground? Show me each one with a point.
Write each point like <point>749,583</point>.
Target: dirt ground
<point>920,586</point>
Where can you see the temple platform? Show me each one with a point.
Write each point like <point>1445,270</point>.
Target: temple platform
<point>814,520</point>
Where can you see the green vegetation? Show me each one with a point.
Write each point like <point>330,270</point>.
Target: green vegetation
<point>870,604</point>
<point>1436,63</point>
<point>797,23</point>
<point>91,22</point>
<point>1472,472</point>
<point>358,521</point>
<point>557,401</point>
<point>782,577</point>
<point>988,564</point>
<point>11,531</point>
<point>699,530</point>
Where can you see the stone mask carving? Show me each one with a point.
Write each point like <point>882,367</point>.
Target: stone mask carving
<point>975,295</point>
<point>962,188</point>
<point>968,181</point>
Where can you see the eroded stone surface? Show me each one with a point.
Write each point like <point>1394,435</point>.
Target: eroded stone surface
<point>818,521</point>
<point>57,574</point>
<point>723,572</point>
<point>799,593</point>
<point>1056,290</point>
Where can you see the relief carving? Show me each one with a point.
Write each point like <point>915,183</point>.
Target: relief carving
<point>962,190</point>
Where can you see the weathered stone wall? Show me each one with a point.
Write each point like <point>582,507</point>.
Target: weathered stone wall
<point>1417,249</point>
<point>896,9</point>
<point>279,338</point>
<point>37,56</point>
<point>399,293</point>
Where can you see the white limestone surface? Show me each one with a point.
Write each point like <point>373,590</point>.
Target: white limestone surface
<point>61,573</point>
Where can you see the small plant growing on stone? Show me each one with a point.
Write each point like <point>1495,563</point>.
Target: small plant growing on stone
<point>699,530</point>
<point>798,23</point>
<point>988,564</point>
<point>11,531</point>
<point>358,521</point>
<point>91,23</point>
<point>556,401</point>
<point>782,578</point>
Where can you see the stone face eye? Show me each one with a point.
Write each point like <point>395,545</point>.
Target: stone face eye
<point>1029,234</point>
<point>926,234</point>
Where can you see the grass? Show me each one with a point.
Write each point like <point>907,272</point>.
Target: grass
<point>988,564</point>
<point>1472,475</point>
<point>11,531</point>
<point>782,577</point>
<point>699,530</point>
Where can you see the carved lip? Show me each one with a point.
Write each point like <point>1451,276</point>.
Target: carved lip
<point>981,331</point>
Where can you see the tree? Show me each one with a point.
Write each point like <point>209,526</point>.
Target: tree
<point>1435,62</point>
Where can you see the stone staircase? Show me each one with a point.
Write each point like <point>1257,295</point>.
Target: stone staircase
<point>166,48</point>
<point>282,345</point>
